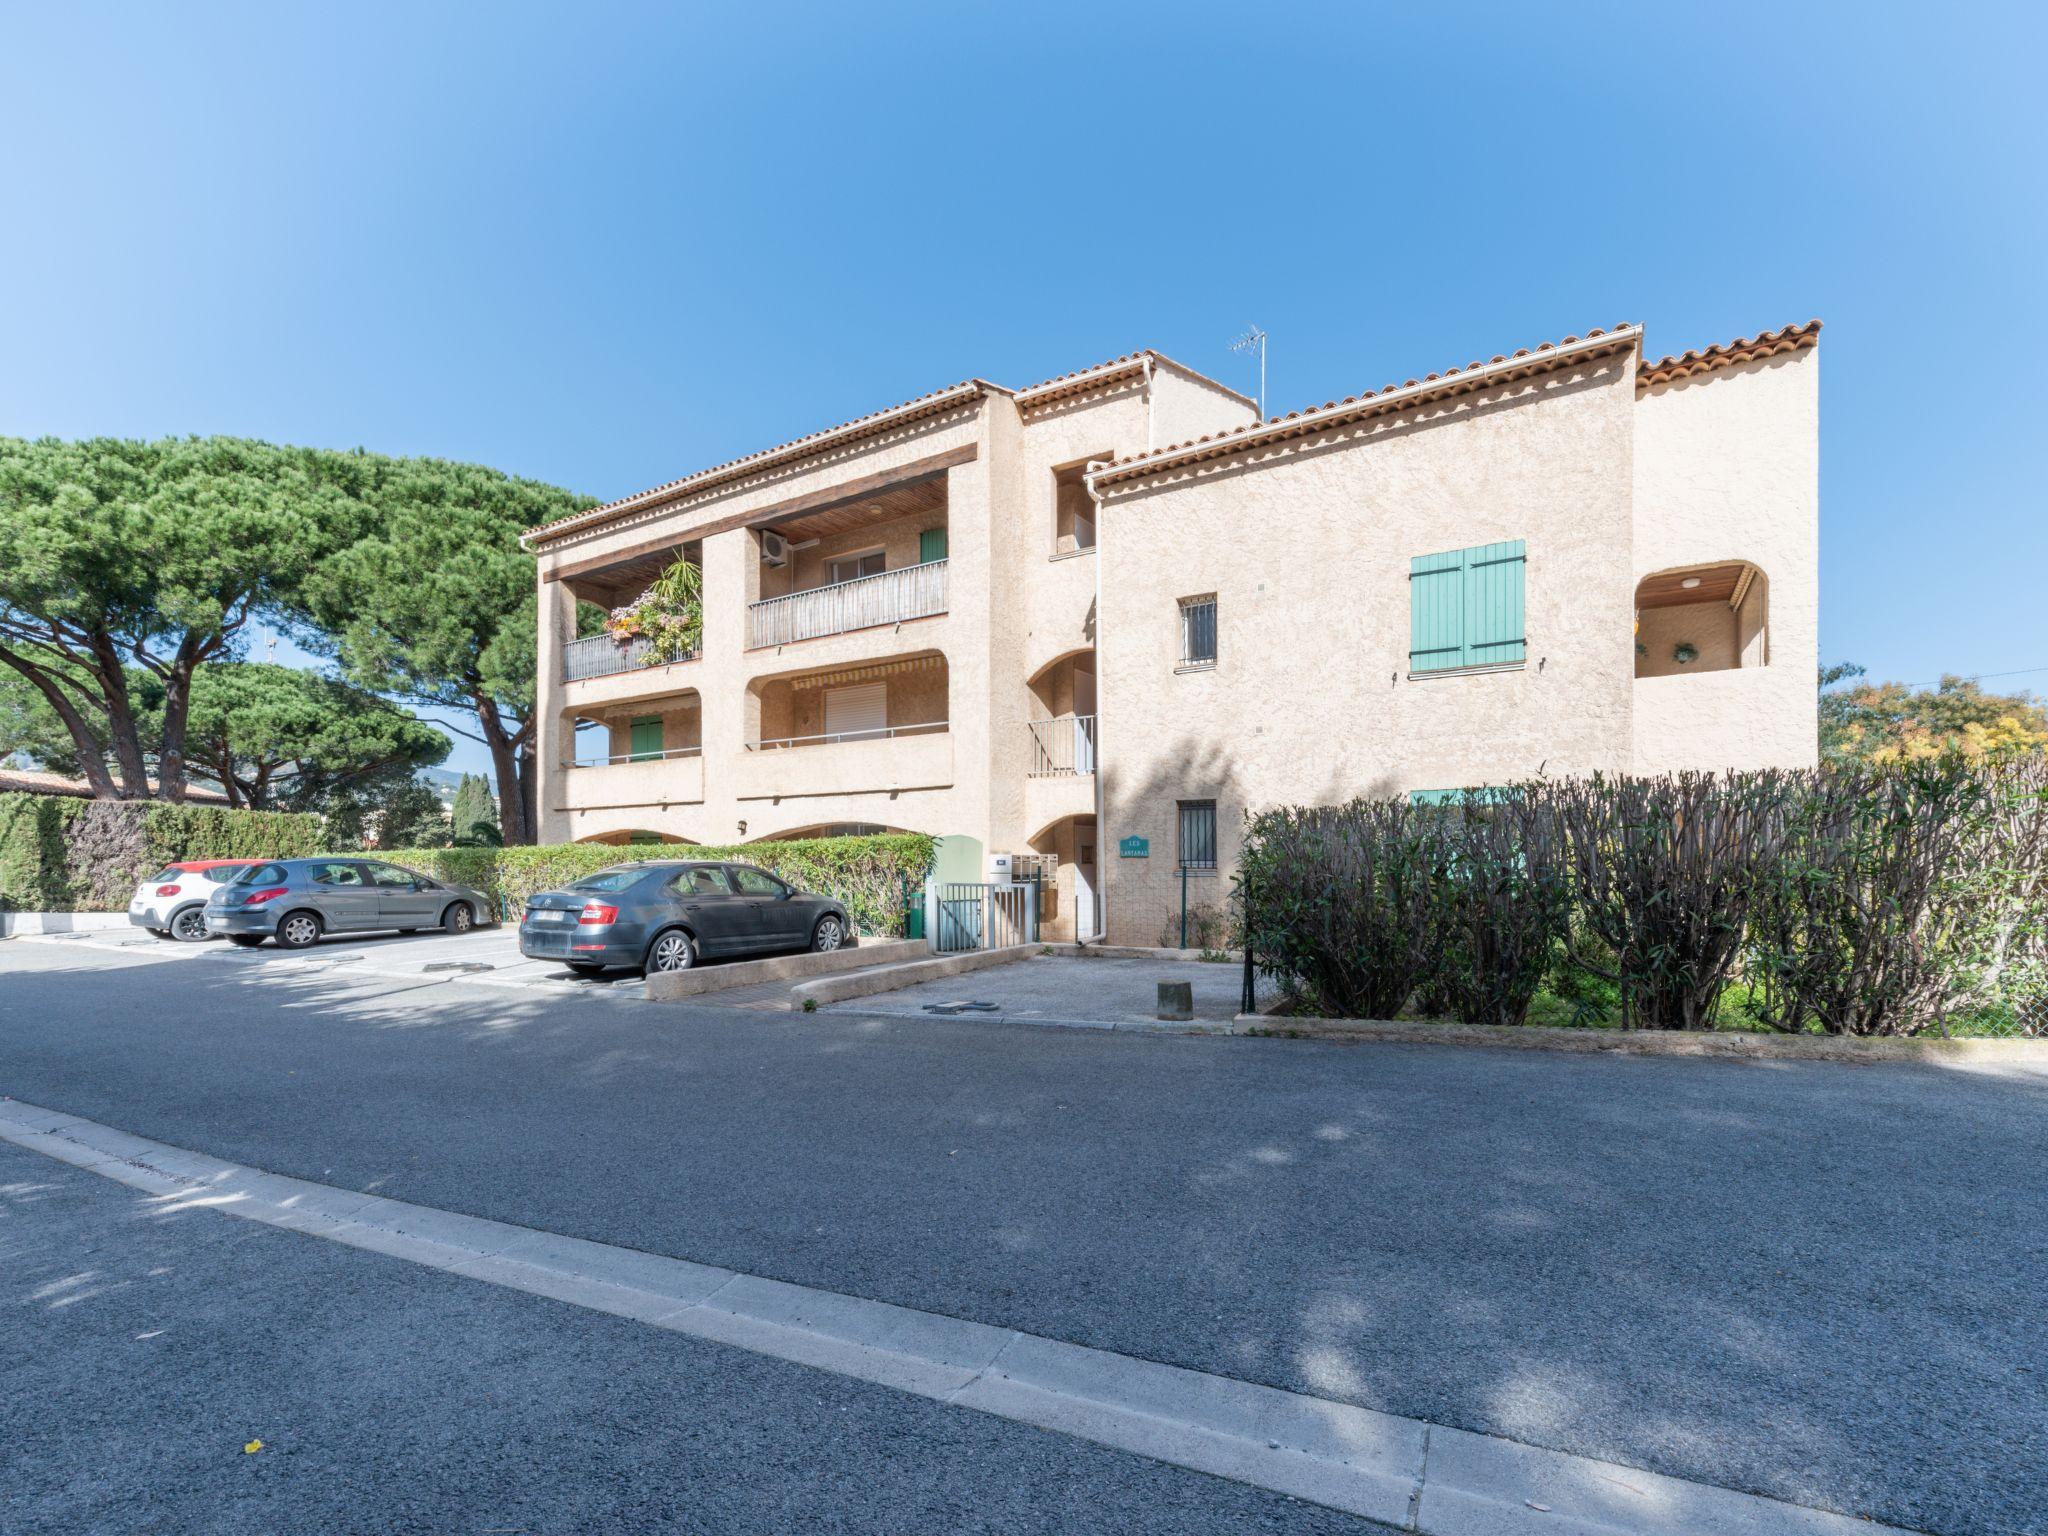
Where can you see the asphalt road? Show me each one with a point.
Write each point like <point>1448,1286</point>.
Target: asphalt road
<point>143,1351</point>
<point>1813,1282</point>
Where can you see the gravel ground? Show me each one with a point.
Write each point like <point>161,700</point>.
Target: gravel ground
<point>143,1351</point>
<point>1817,1283</point>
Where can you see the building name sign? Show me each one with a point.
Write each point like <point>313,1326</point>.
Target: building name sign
<point>1134,848</point>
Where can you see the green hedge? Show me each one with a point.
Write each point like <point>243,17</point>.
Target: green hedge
<point>62,854</point>
<point>867,873</point>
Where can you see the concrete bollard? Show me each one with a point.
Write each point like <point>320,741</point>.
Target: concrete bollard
<point>1176,1000</point>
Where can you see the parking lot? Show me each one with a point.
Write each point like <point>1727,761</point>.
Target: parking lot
<point>485,956</point>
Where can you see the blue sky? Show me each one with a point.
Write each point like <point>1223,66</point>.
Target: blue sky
<point>604,245</point>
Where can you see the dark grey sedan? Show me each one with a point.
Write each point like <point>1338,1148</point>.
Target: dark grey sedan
<point>298,901</point>
<point>667,914</point>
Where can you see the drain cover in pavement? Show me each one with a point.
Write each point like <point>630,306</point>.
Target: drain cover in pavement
<point>952,1008</point>
<point>458,965</point>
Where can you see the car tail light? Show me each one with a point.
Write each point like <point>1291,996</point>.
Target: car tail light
<point>268,893</point>
<point>167,890</point>
<point>597,914</point>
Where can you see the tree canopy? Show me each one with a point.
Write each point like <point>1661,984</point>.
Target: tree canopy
<point>127,566</point>
<point>119,557</point>
<point>1891,722</point>
<point>435,604</point>
<point>276,736</point>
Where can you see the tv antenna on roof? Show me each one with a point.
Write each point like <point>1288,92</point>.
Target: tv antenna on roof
<point>1254,337</point>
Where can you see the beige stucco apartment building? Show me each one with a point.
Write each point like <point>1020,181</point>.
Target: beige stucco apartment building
<point>1096,620</point>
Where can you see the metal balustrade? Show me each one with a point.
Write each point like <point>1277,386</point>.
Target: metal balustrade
<point>1062,746</point>
<point>602,656</point>
<point>888,597</point>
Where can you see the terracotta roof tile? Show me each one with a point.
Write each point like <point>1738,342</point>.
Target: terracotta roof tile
<point>1743,349</point>
<point>860,426</point>
<point>1332,412</point>
<point>34,781</point>
<point>796,447</point>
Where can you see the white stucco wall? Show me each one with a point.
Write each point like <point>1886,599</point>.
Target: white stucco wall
<point>1727,467</point>
<point>1309,555</point>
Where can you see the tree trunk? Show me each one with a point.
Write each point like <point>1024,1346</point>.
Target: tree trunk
<point>508,748</point>
<point>92,762</point>
<point>121,729</point>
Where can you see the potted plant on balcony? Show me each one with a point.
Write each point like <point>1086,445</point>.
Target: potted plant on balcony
<point>669,616</point>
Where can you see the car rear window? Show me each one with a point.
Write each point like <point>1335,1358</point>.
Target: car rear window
<point>168,872</point>
<point>261,874</point>
<point>610,879</point>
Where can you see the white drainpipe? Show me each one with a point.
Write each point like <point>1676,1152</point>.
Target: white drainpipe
<point>1101,766</point>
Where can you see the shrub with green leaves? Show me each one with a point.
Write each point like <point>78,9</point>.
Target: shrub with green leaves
<point>869,874</point>
<point>1499,905</point>
<point>1335,903</point>
<point>62,854</point>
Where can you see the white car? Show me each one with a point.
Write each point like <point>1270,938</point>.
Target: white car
<point>172,905</point>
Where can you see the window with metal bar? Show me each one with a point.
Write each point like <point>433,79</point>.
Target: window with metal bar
<point>1198,631</point>
<point>1198,834</point>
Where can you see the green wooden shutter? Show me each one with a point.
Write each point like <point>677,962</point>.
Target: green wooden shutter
<point>931,545</point>
<point>1436,601</point>
<point>1465,608</point>
<point>646,738</point>
<point>1493,604</point>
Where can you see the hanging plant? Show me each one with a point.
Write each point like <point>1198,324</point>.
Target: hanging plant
<point>669,616</point>
<point>1685,651</point>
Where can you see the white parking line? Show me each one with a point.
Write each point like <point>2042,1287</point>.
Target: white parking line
<point>1402,1472</point>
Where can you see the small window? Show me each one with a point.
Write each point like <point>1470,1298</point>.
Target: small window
<point>1198,631</point>
<point>1073,529</point>
<point>262,874</point>
<point>1198,834</point>
<point>390,875</point>
<point>857,713</point>
<point>752,882</point>
<point>853,567</point>
<point>624,878</point>
<point>704,880</point>
<point>337,874</point>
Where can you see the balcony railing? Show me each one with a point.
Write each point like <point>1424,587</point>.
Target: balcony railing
<point>633,757</point>
<point>878,733</point>
<point>1062,746</point>
<point>889,597</point>
<point>601,656</point>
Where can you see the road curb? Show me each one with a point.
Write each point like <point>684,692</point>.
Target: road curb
<point>1403,1472</point>
<point>674,986</point>
<point>893,978</point>
<point>1720,1044</point>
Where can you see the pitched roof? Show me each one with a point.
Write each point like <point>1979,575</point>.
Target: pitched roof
<point>34,781</point>
<point>866,426</point>
<point>1501,368</point>
<point>1743,349</point>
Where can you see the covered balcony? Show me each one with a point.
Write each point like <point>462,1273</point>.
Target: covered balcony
<point>850,731</point>
<point>607,587</point>
<point>646,754</point>
<point>869,561</point>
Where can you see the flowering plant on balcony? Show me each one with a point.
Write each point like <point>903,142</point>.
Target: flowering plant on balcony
<point>669,616</point>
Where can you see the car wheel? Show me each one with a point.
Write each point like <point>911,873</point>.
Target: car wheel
<point>298,930</point>
<point>672,951</point>
<point>586,968</point>
<point>245,940</point>
<point>189,926</point>
<point>829,934</point>
<point>458,918</point>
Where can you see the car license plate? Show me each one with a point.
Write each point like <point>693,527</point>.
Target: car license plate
<point>545,916</point>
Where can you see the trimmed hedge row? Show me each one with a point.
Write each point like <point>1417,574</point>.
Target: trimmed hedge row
<point>63,854</point>
<point>869,874</point>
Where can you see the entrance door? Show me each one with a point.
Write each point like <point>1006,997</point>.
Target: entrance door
<point>1084,888</point>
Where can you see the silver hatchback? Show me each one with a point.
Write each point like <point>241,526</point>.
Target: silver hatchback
<point>298,901</point>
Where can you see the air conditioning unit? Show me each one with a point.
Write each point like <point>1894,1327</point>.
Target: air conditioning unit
<point>774,549</point>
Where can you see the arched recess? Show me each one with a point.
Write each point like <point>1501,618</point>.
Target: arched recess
<point>1703,618</point>
<point>625,836</point>
<point>827,829</point>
